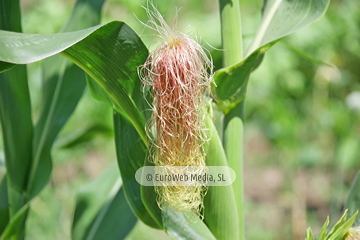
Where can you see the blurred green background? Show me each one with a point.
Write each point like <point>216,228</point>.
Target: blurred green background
<point>302,117</point>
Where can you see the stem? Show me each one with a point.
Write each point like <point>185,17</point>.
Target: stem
<point>231,35</point>
<point>233,122</point>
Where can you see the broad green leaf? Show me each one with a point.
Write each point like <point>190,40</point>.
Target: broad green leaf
<point>15,116</point>
<point>4,205</point>
<point>280,18</point>
<point>230,81</point>
<point>353,201</point>
<point>149,196</point>
<point>5,66</point>
<point>63,86</point>
<point>192,227</point>
<point>101,209</point>
<point>221,215</point>
<point>131,155</point>
<point>96,91</point>
<point>109,53</point>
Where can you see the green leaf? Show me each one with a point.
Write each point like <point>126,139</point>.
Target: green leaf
<point>109,53</point>
<point>309,235</point>
<point>5,66</point>
<point>221,214</point>
<point>340,229</point>
<point>322,234</point>
<point>61,95</point>
<point>117,219</point>
<point>149,196</point>
<point>191,227</point>
<point>230,81</point>
<point>282,17</point>
<point>63,86</point>
<point>15,228</point>
<point>4,205</point>
<point>353,201</point>
<point>131,155</point>
<point>96,91</point>
<point>101,209</point>
<point>338,225</point>
<point>15,116</point>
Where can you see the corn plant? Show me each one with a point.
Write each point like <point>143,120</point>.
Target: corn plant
<point>107,59</point>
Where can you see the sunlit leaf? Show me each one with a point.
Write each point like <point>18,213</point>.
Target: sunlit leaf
<point>280,18</point>
<point>109,53</point>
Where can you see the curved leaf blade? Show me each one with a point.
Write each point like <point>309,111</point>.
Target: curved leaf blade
<point>15,228</point>
<point>231,82</point>
<point>282,17</point>
<point>109,53</point>
<point>63,86</point>
<point>192,227</point>
<point>131,155</point>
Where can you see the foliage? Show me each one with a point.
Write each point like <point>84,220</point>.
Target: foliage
<point>338,231</point>
<point>106,58</point>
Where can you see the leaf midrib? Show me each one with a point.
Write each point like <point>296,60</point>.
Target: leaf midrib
<point>264,27</point>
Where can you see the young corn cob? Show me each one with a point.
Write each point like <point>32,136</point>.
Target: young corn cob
<point>179,72</point>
